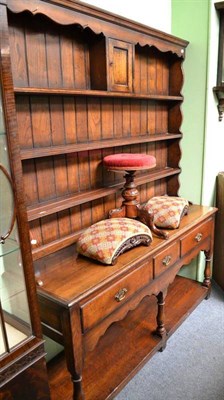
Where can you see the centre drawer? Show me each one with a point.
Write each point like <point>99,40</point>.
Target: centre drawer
<point>196,237</point>
<point>111,298</point>
<point>166,258</point>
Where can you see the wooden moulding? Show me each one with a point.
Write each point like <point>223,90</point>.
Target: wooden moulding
<point>100,21</point>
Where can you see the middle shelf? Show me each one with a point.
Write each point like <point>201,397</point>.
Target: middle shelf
<point>88,92</point>
<point>97,144</point>
<point>50,207</point>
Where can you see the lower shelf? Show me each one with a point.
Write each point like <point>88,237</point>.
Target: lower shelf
<point>127,345</point>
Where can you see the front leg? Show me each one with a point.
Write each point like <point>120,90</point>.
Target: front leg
<point>161,330</point>
<point>71,326</point>
<point>207,273</point>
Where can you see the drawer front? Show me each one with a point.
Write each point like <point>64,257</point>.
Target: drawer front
<point>110,299</point>
<point>166,258</point>
<point>196,237</point>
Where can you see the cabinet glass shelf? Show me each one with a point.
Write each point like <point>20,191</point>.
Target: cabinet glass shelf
<point>10,246</point>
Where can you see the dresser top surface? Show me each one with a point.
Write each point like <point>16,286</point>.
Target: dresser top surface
<point>68,277</point>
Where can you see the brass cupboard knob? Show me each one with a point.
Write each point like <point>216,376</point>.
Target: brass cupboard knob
<point>166,261</point>
<point>119,296</point>
<point>198,237</point>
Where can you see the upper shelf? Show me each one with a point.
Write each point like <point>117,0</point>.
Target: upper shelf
<point>96,93</point>
<point>97,144</point>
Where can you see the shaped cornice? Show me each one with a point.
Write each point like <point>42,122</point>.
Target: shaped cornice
<point>69,12</point>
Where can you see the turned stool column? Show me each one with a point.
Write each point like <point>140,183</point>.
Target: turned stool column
<point>131,208</point>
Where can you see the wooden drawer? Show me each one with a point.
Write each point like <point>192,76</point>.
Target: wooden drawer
<point>110,299</point>
<point>196,237</point>
<point>166,258</point>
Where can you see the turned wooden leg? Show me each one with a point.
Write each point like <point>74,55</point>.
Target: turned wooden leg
<point>71,326</point>
<point>207,273</point>
<point>77,388</point>
<point>146,217</point>
<point>161,330</point>
<point>129,194</point>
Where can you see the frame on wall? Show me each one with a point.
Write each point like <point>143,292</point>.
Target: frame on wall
<point>219,89</point>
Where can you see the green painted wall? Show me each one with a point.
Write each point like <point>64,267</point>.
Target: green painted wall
<point>190,20</point>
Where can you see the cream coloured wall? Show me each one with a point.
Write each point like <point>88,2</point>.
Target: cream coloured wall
<point>154,13</point>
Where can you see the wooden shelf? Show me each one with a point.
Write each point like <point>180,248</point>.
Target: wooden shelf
<point>63,203</point>
<point>137,328</point>
<point>89,92</point>
<point>98,144</point>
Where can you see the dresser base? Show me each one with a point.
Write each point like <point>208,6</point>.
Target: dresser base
<point>127,345</point>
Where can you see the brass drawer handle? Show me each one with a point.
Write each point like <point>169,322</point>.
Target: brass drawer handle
<point>166,261</point>
<point>121,294</point>
<point>198,237</point>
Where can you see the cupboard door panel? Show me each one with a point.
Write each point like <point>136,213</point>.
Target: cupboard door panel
<point>120,66</point>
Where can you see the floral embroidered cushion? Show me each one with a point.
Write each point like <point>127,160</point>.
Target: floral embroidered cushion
<point>107,239</point>
<point>167,210</point>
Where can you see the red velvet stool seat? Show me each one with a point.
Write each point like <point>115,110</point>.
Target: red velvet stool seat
<point>129,162</point>
<point>131,207</point>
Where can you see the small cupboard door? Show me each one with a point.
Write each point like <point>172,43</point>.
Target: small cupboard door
<point>120,66</point>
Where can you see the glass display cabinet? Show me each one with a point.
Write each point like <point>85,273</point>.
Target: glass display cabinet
<point>21,344</point>
<point>14,309</point>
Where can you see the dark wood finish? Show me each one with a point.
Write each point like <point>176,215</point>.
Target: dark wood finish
<point>220,77</point>
<point>219,89</point>
<point>107,143</point>
<point>66,126</point>
<point>67,284</point>
<point>30,383</point>
<point>50,207</point>
<point>137,330</point>
<point>86,84</point>
<point>25,361</point>
<point>99,93</point>
<point>131,207</point>
<point>219,92</point>
<point>218,264</point>
<point>120,65</point>
<point>111,65</point>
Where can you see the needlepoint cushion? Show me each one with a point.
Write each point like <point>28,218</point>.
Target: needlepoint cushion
<point>167,210</point>
<point>107,239</point>
<point>129,161</point>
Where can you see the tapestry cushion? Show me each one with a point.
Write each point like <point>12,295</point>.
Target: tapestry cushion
<point>129,161</point>
<point>167,210</point>
<point>107,239</point>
